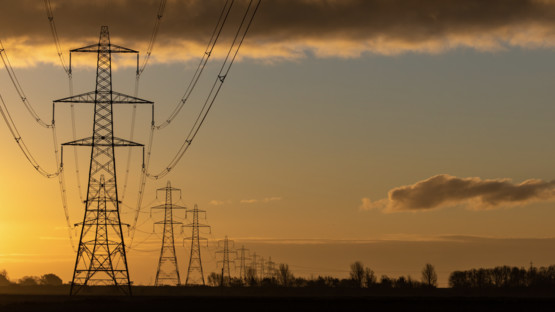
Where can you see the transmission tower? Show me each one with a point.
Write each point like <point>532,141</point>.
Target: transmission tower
<point>270,268</point>
<point>262,267</point>
<point>195,262</point>
<point>254,265</point>
<point>168,273</point>
<point>101,257</point>
<point>226,274</point>
<point>243,262</point>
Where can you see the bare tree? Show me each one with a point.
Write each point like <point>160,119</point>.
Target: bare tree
<point>357,273</point>
<point>429,276</point>
<point>284,275</point>
<point>369,277</point>
<point>215,279</point>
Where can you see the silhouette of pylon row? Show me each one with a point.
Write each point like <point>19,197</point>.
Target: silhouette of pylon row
<point>101,255</point>
<point>168,272</point>
<point>195,274</point>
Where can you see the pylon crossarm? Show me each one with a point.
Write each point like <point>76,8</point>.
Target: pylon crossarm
<point>195,225</point>
<point>89,98</point>
<point>93,48</point>
<point>114,48</point>
<point>90,141</point>
<point>168,222</point>
<point>163,206</point>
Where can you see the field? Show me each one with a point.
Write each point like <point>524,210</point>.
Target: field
<point>46,299</point>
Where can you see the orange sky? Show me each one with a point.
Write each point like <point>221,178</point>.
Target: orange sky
<point>357,138</point>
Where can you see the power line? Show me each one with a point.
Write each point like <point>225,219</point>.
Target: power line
<point>201,65</point>
<point>17,136</point>
<point>19,89</point>
<point>200,68</point>
<point>216,87</point>
<point>48,9</point>
<point>159,15</point>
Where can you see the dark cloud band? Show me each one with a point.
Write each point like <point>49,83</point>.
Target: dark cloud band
<point>290,28</point>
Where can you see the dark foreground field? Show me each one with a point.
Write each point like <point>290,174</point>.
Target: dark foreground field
<point>213,299</point>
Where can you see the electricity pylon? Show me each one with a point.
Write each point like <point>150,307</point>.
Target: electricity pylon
<point>195,262</point>
<point>101,257</point>
<point>271,268</point>
<point>254,265</point>
<point>168,272</point>
<point>226,274</point>
<point>261,264</point>
<point>243,262</point>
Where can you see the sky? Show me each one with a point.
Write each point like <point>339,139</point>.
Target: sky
<point>392,132</point>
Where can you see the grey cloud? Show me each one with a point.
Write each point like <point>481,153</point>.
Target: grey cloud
<point>446,190</point>
<point>296,26</point>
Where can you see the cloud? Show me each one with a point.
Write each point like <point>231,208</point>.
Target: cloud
<point>445,190</point>
<point>216,202</point>
<point>264,200</point>
<point>283,29</point>
<point>270,199</point>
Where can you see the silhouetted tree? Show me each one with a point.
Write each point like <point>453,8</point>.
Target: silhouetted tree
<point>369,278</point>
<point>50,279</point>
<point>458,279</point>
<point>405,282</point>
<point>4,280</point>
<point>324,281</point>
<point>299,282</point>
<point>285,277</point>
<point>505,277</point>
<point>250,276</point>
<point>386,282</point>
<point>357,273</point>
<point>28,281</point>
<point>214,279</point>
<point>429,276</point>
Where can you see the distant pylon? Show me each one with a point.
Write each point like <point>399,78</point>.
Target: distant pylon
<point>254,265</point>
<point>225,251</point>
<point>101,257</point>
<point>168,272</point>
<point>270,268</point>
<point>195,262</point>
<point>261,264</point>
<point>243,262</point>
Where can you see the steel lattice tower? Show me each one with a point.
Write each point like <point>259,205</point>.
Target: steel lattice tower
<point>101,256</point>
<point>271,268</point>
<point>243,262</point>
<point>168,272</point>
<point>226,274</point>
<point>195,262</point>
<point>261,264</point>
<point>254,264</point>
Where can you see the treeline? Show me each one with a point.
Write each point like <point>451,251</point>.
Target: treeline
<point>359,277</point>
<point>504,277</point>
<point>49,279</point>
